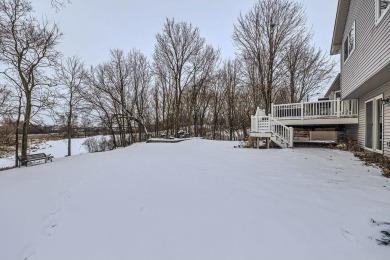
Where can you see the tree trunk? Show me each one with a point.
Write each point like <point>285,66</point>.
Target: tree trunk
<point>231,129</point>
<point>26,124</point>
<point>17,132</point>
<point>17,144</point>
<point>215,127</point>
<point>70,132</point>
<point>177,119</point>
<point>139,132</point>
<point>244,131</point>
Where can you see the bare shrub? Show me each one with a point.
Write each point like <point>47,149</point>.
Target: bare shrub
<point>95,144</point>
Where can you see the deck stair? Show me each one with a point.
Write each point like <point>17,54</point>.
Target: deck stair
<point>269,127</point>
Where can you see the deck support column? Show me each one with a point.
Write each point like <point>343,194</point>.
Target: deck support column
<point>338,107</point>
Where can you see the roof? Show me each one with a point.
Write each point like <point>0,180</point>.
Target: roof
<point>335,86</point>
<point>339,26</point>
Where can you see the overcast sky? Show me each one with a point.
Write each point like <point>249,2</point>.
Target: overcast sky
<point>92,27</point>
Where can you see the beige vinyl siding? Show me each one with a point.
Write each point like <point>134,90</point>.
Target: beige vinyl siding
<point>385,90</point>
<point>372,49</point>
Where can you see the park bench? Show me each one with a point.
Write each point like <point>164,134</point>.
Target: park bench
<point>34,158</point>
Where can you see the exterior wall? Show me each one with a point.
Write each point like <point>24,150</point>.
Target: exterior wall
<point>385,90</point>
<point>331,95</point>
<point>372,49</point>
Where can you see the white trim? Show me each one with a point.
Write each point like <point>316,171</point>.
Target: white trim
<point>378,16</point>
<point>347,39</point>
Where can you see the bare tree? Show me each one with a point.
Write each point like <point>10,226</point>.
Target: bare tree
<point>163,97</point>
<point>5,96</point>
<point>6,111</point>
<point>203,67</point>
<point>308,68</point>
<point>27,48</point>
<point>111,89</point>
<point>244,110</point>
<point>231,78</point>
<point>176,47</point>
<point>69,76</point>
<point>12,105</point>
<point>261,37</point>
<point>86,122</point>
<point>59,4</point>
<point>217,104</point>
<point>139,80</point>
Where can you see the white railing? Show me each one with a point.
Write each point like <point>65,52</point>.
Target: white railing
<point>286,134</point>
<point>257,124</point>
<point>316,109</point>
<point>260,124</point>
<point>268,124</point>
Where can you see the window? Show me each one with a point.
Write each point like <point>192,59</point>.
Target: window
<point>350,41</point>
<point>381,6</point>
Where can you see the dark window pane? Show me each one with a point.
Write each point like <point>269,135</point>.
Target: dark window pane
<point>369,123</point>
<point>380,124</point>
<point>346,49</point>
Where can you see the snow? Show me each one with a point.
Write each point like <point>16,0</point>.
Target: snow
<point>165,140</point>
<point>196,199</point>
<point>57,148</point>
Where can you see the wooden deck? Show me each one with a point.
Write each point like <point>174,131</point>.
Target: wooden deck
<point>279,124</point>
<point>327,112</point>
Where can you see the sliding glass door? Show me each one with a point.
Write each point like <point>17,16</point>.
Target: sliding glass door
<point>374,124</point>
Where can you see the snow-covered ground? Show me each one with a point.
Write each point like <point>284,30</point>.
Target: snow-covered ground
<point>196,199</point>
<point>56,148</point>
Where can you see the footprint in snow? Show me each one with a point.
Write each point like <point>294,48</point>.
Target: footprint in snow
<point>49,228</point>
<point>50,222</point>
<point>27,252</point>
<point>348,236</point>
<point>53,213</point>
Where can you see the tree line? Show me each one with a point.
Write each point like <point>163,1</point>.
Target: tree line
<point>186,87</point>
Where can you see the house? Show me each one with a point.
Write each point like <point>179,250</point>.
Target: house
<point>357,104</point>
<point>362,39</point>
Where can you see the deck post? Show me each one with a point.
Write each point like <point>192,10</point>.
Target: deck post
<point>272,109</point>
<point>291,137</point>
<point>338,107</point>
<point>357,108</point>
<point>302,110</point>
<point>269,122</point>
